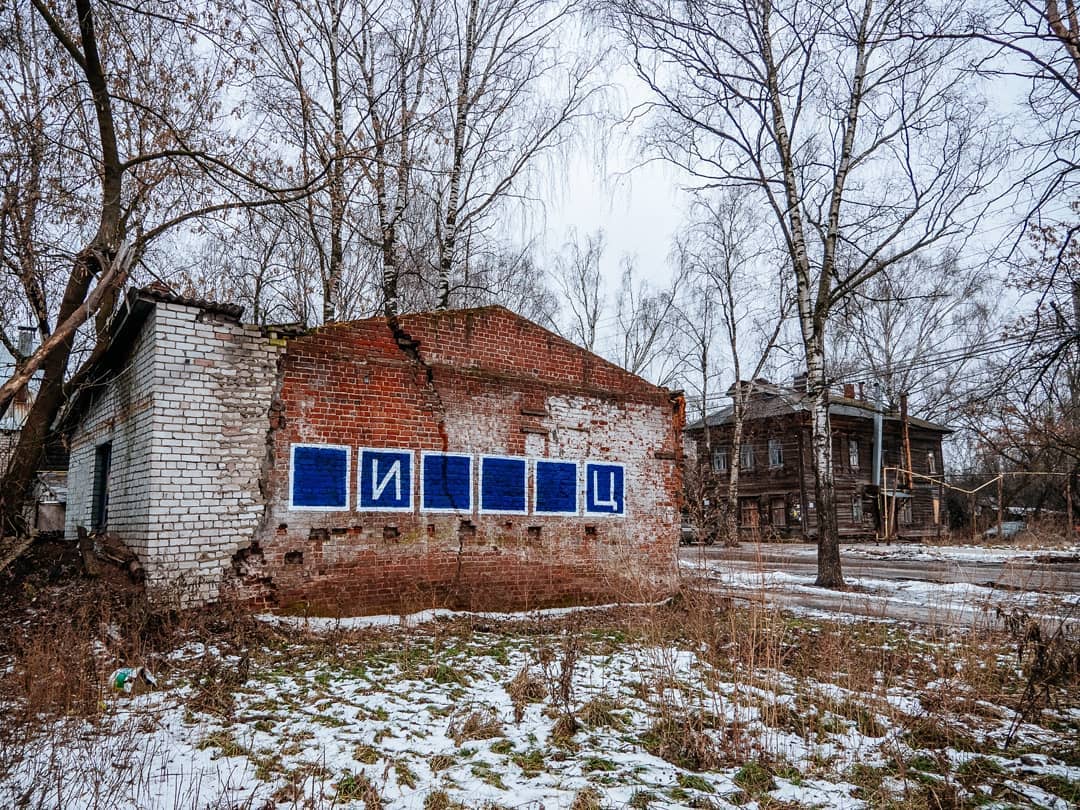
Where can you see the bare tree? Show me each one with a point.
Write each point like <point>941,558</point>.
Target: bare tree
<point>577,276</point>
<point>858,138</point>
<point>697,324</point>
<point>1037,42</point>
<point>508,98</point>
<point>918,328</point>
<point>509,277</point>
<point>645,329</point>
<point>726,248</point>
<point>138,93</point>
<point>343,86</point>
<point>264,259</point>
<point>1025,407</point>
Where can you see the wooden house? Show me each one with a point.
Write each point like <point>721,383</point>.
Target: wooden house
<point>776,479</point>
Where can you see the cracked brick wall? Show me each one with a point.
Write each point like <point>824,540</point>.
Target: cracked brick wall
<point>473,382</point>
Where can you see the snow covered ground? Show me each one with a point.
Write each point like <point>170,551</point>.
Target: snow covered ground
<point>656,707</point>
<point>951,602</point>
<point>963,586</point>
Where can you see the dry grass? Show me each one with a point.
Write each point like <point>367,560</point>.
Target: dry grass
<point>755,656</point>
<point>524,689</point>
<point>479,723</point>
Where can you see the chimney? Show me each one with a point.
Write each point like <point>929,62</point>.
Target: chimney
<point>849,390</point>
<point>799,382</point>
<point>26,340</point>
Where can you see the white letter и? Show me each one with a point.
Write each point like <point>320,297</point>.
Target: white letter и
<point>378,486</point>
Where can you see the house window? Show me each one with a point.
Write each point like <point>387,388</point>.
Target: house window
<point>853,454</point>
<point>778,512</point>
<point>776,453</point>
<point>719,460</point>
<point>99,500</point>
<point>905,512</point>
<point>748,509</point>
<point>931,462</point>
<point>746,457</point>
<point>856,509</point>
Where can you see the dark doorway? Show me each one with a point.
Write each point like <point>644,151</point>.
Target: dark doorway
<point>99,507</point>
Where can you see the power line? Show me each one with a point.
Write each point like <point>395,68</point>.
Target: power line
<point>939,360</point>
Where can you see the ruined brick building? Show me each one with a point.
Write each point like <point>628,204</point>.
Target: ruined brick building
<point>466,458</point>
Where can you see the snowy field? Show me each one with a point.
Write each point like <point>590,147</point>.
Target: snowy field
<point>687,705</point>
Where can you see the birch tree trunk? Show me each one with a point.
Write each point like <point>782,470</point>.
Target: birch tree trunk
<point>828,539</point>
<point>731,517</point>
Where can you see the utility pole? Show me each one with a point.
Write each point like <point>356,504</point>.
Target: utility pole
<point>1000,500</point>
<point>1070,530</point>
<point>905,426</point>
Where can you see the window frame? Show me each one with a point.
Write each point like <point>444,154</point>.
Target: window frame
<point>782,503</point>
<point>746,457</point>
<point>904,514</point>
<point>720,453</point>
<point>776,453</point>
<point>853,454</point>
<point>749,507</point>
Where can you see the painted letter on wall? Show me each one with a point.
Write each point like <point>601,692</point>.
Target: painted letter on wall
<point>319,477</point>
<point>604,489</point>
<point>385,480</point>
<point>446,482</point>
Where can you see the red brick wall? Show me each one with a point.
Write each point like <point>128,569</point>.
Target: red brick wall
<point>479,381</point>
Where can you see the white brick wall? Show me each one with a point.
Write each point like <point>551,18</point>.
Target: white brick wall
<point>188,418</point>
<point>122,414</point>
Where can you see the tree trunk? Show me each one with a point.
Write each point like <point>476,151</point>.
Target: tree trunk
<point>332,286</point>
<point>828,537</point>
<point>731,519</point>
<point>18,479</point>
<point>97,257</point>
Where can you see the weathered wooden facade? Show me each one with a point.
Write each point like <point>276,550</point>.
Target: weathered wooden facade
<point>776,479</point>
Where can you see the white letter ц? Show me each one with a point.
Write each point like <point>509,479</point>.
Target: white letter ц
<point>611,502</point>
<point>378,486</point>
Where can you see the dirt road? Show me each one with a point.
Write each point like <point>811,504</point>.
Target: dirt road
<point>960,586</point>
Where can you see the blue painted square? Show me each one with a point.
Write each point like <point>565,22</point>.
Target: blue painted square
<point>556,487</point>
<point>446,483</point>
<point>502,484</point>
<point>386,480</point>
<point>604,489</point>
<point>320,477</point>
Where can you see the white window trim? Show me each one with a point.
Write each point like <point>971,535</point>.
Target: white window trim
<point>743,449</point>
